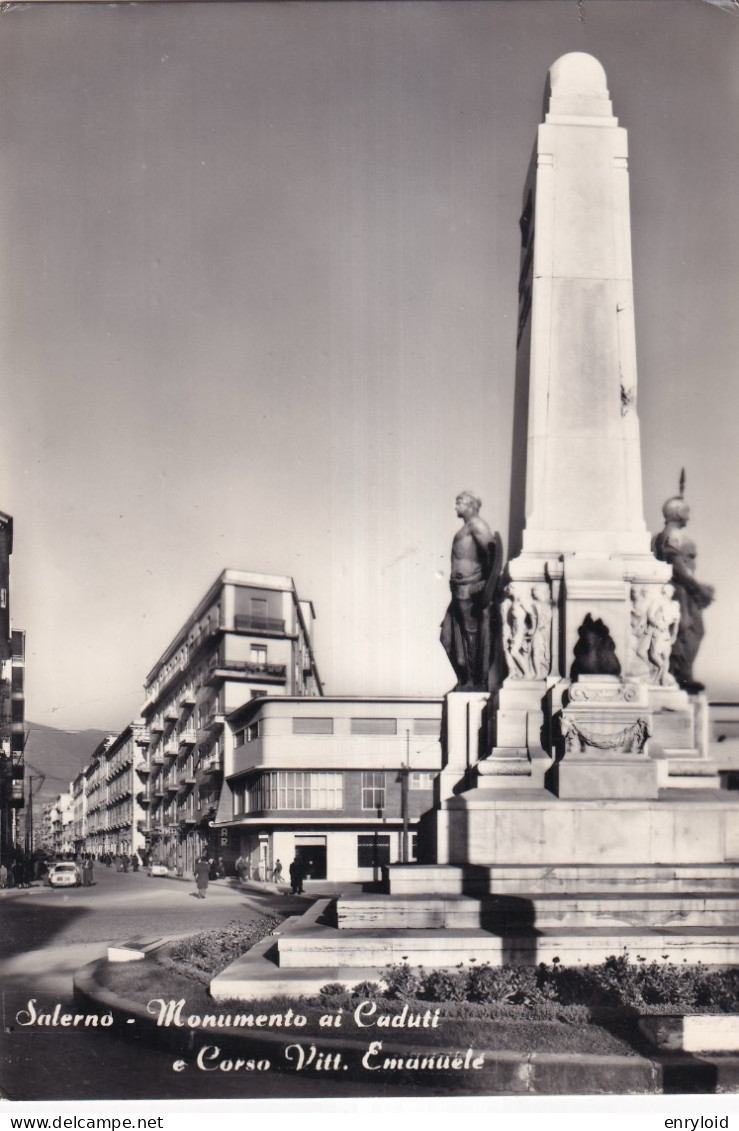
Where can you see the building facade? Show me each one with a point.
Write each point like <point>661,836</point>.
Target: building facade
<point>12,707</point>
<point>79,812</point>
<point>250,636</point>
<point>338,783</point>
<point>95,773</point>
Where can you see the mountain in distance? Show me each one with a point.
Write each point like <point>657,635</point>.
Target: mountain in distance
<point>59,755</point>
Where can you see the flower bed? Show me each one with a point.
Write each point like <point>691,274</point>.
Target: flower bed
<point>209,952</point>
<point>618,983</point>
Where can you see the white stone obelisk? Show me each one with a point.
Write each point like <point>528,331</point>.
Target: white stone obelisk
<point>583,484</point>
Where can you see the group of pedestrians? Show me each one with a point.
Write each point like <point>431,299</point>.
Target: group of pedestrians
<point>121,861</point>
<point>244,872</point>
<point>204,871</point>
<point>20,873</point>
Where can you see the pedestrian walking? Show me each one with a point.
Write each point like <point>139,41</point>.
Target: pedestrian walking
<point>296,877</point>
<point>3,876</point>
<point>202,874</point>
<point>242,868</point>
<point>277,872</point>
<point>87,867</point>
<point>135,862</point>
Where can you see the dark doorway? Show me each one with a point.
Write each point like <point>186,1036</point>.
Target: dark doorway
<point>313,860</point>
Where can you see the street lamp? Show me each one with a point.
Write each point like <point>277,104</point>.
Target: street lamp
<point>405,768</point>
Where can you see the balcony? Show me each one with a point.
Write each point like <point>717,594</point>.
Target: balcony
<point>188,736</point>
<point>186,816</point>
<point>143,767</point>
<point>215,721</point>
<point>219,669</point>
<point>265,671</point>
<point>171,713</point>
<point>171,786</point>
<point>157,758</point>
<point>212,765</point>
<point>188,699</point>
<point>142,736</point>
<point>244,623</point>
<point>171,749</point>
<point>142,826</point>
<point>143,797</point>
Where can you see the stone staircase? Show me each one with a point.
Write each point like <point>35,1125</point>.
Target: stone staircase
<point>575,915</point>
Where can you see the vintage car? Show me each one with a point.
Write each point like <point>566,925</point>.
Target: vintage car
<point>158,869</point>
<point>65,874</point>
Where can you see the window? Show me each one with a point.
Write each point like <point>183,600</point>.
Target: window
<point>246,734</point>
<point>373,789</point>
<point>297,789</point>
<point>373,850</point>
<point>421,779</point>
<point>374,726</point>
<point>258,610</point>
<point>239,799</point>
<point>308,725</point>
<point>258,654</point>
<point>431,727</point>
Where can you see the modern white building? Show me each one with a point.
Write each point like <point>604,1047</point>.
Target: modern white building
<point>338,783</point>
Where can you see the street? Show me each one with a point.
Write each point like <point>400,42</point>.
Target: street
<point>50,933</point>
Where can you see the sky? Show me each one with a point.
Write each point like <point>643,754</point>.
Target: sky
<point>258,311</point>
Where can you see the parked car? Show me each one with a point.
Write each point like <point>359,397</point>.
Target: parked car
<point>65,874</point>
<point>158,870</point>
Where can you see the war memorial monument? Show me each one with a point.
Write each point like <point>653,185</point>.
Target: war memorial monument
<point>578,813</point>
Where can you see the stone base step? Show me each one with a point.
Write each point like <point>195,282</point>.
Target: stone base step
<point>503,913</point>
<point>570,879</point>
<point>448,949</point>
<point>381,948</point>
<point>407,911</point>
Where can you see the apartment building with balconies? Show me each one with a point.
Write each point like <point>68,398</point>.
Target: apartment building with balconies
<point>95,773</point>
<point>249,636</point>
<point>59,825</point>
<point>341,783</point>
<point>79,812</point>
<point>12,707</point>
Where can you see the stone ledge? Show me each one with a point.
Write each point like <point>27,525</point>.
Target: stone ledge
<point>135,949</point>
<point>693,1032</point>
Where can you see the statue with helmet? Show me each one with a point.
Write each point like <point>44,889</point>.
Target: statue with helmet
<point>674,545</point>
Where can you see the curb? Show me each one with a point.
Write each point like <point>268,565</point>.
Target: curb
<point>502,1073</point>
